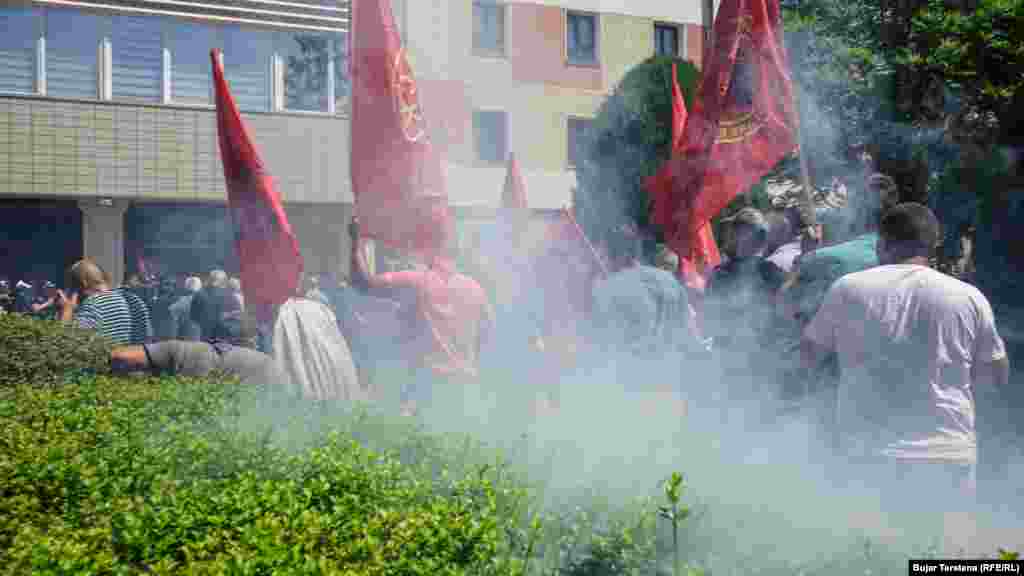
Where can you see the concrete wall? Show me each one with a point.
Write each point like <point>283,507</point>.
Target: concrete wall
<point>86,149</point>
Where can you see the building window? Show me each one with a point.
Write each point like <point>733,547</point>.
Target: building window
<point>137,52</point>
<point>306,57</point>
<point>577,137</point>
<point>581,38</point>
<point>490,129</point>
<point>488,28</point>
<point>342,81</point>
<point>72,47</point>
<point>18,49</point>
<point>248,54</point>
<point>191,75</point>
<point>666,40</point>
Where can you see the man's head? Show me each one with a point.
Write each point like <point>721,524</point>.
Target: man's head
<point>783,227</point>
<point>86,277</point>
<point>218,279</point>
<point>909,233</point>
<point>881,195</point>
<point>746,233</point>
<point>666,259</point>
<point>193,284</point>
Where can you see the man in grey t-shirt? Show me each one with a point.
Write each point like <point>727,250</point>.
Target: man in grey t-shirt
<point>181,358</point>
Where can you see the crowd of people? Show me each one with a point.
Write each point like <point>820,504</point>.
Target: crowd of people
<point>900,347</point>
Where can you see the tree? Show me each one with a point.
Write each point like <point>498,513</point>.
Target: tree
<point>627,142</point>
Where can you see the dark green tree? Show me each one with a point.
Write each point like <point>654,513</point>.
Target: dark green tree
<point>628,141</point>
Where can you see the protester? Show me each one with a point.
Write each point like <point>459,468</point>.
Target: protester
<point>312,355</point>
<point>91,304</point>
<point>313,292</point>
<point>184,328</point>
<point>782,248</point>
<point>183,358</point>
<point>639,308</point>
<point>6,300</point>
<point>817,270</point>
<point>737,290</point>
<point>235,285</point>
<point>214,309</point>
<point>164,326</point>
<point>45,305</point>
<point>23,296</point>
<point>914,345</point>
<point>450,315</point>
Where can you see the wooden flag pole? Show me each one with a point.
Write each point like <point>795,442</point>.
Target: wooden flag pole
<point>583,236</point>
<point>808,216</point>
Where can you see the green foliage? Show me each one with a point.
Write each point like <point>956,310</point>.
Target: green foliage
<point>629,140</point>
<point>978,52</point>
<point>45,352</point>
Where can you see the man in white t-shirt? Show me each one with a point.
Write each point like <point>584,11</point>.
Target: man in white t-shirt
<point>913,346</point>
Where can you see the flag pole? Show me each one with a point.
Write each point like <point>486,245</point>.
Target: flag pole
<point>583,236</point>
<point>808,217</point>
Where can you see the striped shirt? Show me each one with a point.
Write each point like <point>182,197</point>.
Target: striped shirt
<point>118,315</point>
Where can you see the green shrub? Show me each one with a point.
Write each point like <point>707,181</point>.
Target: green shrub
<point>45,352</point>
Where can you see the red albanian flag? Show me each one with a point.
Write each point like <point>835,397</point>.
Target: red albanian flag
<point>397,175</point>
<point>698,258</point>
<point>742,125</point>
<point>268,252</point>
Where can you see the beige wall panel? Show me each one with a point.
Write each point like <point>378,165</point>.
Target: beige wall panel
<point>633,39</point>
<point>672,11</point>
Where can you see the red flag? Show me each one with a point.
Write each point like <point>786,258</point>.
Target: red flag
<point>268,252</point>
<point>394,168</point>
<point>698,258</point>
<point>678,111</point>
<point>742,126</point>
<point>514,193</point>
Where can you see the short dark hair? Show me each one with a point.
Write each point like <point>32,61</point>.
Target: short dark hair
<point>910,230</point>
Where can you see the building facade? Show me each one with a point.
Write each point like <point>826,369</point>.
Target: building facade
<point>108,142</point>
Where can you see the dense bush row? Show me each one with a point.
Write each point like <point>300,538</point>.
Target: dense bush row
<point>103,475</point>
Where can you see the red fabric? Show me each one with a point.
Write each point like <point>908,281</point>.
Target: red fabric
<point>394,168</point>
<point>268,251</point>
<point>679,113</point>
<point>514,193</point>
<point>715,166</point>
<point>454,308</point>
<point>698,258</point>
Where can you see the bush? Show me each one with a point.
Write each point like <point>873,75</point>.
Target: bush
<point>45,352</point>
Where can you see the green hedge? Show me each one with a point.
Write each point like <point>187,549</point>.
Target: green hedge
<point>45,352</point>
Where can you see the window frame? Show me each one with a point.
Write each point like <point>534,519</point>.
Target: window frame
<point>481,52</point>
<point>477,159</point>
<point>567,15</point>
<point>38,16</point>
<point>680,38</point>
<point>570,162</point>
<point>104,64</point>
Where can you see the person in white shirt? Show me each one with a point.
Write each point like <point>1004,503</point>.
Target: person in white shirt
<point>913,347</point>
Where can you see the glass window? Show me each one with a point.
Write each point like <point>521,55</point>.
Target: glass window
<point>666,40</point>
<point>581,38</point>
<point>138,58</point>
<point>490,131</point>
<point>578,128</point>
<point>72,45</point>
<point>248,53</point>
<point>488,28</point>
<point>191,75</point>
<point>342,82</point>
<point>306,56</point>
<point>18,49</point>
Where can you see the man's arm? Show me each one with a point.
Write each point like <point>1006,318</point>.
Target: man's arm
<point>129,359</point>
<point>995,374</point>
